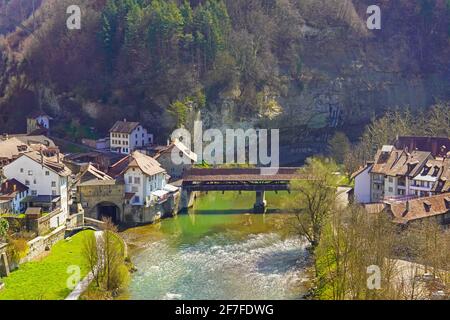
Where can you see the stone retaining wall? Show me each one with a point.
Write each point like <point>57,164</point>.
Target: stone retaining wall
<point>38,245</point>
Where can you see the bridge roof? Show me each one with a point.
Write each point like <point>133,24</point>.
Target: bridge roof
<point>241,174</point>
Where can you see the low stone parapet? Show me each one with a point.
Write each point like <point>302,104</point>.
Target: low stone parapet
<point>40,244</point>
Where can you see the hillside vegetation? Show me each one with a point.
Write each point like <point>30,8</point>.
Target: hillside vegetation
<point>278,62</point>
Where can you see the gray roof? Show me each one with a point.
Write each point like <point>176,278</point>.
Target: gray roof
<point>124,126</point>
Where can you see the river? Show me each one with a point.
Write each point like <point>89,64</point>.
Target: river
<point>218,251</point>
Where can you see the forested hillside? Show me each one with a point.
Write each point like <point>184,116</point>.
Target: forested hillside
<point>284,63</point>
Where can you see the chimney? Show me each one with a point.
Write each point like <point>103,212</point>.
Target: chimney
<point>14,187</point>
<point>57,155</point>
<point>5,136</point>
<point>42,157</point>
<point>408,206</point>
<point>124,119</point>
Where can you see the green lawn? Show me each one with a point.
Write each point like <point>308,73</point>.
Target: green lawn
<point>46,279</point>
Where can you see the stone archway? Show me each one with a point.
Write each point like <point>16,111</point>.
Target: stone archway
<point>108,210</point>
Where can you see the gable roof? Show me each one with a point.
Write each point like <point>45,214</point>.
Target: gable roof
<point>415,209</point>
<point>437,146</point>
<point>12,187</point>
<point>92,173</point>
<point>124,126</point>
<point>38,113</point>
<point>368,165</point>
<point>399,162</point>
<point>181,148</point>
<point>49,162</point>
<point>145,163</point>
<point>12,147</point>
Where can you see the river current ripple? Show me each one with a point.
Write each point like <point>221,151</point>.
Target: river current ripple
<point>219,266</point>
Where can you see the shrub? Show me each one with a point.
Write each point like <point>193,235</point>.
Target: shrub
<point>17,250</point>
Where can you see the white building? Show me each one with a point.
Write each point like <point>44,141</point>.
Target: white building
<point>145,178</point>
<point>38,121</point>
<point>176,171</point>
<point>363,184</point>
<point>45,177</point>
<point>125,137</point>
<point>14,192</point>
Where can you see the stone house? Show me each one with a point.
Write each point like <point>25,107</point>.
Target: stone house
<point>398,174</point>
<point>125,137</point>
<point>14,192</point>
<point>185,159</point>
<point>44,176</point>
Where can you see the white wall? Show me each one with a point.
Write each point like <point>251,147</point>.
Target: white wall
<point>39,179</point>
<point>145,187</point>
<point>44,121</point>
<point>363,186</point>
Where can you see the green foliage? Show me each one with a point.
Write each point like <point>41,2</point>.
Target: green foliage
<point>339,146</point>
<point>17,250</point>
<point>314,197</point>
<point>4,226</point>
<point>46,279</point>
<point>179,109</point>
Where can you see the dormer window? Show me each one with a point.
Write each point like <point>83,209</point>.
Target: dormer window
<point>447,202</point>
<point>427,206</point>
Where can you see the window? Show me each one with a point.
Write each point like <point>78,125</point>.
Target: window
<point>53,184</point>
<point>21,170</point>
<point>34,193</point>
<point>30,172</point>
<point>137,180</point>
<point>27,182</point>
<point>53,192</point>
<point>391,179</point>
<point>34,181</point>
<point>390,189</point>
<point>130,179</point>
<point>136,199</point>
<point>47,173</point>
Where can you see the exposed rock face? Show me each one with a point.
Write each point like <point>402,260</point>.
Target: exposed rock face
<point>348,73</point>
<point>353,73</point>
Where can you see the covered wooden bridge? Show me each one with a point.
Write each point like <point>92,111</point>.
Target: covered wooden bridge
<point>259,180</point>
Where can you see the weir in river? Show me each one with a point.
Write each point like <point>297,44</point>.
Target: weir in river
<point>219,251</point>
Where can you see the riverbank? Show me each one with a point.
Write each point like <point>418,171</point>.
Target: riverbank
<point>219,251</point>
<point>46,278</point>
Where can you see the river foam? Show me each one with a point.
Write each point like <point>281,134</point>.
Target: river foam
<point>219,266</point>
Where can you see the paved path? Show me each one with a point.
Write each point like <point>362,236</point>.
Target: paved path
<point>83,284</point>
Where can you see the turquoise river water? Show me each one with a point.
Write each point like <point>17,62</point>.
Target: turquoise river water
<point>218,251</point>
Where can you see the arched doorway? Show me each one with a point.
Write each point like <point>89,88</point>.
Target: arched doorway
<point>108,210</point>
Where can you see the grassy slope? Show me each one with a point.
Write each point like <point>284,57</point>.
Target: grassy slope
<point>46,279</point>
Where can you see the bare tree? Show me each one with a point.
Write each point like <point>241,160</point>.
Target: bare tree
<point>314,198</point>
<point>90,254</point>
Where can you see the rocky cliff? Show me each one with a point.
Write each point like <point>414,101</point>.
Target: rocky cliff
<point>316,65</point>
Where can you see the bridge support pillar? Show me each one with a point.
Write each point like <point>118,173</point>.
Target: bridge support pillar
<point>261,203</point>
<point>187,199</point>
